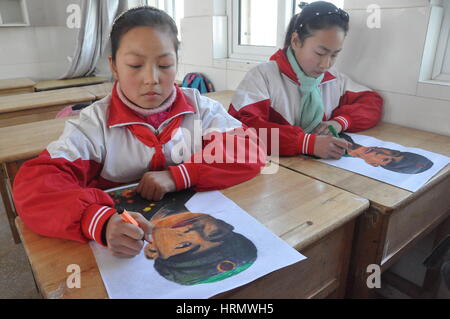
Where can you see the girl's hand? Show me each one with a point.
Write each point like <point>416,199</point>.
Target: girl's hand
<point>154,185</point>
<point>328,147</point>
<point>126,240</point>
<point>322,128</point>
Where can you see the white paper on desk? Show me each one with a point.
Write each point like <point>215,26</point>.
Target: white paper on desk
<point>137,278</point>
<point>408,181</point>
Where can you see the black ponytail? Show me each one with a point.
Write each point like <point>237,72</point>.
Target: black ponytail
<point>319,15</point>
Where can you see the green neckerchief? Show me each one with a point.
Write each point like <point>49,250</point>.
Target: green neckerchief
<point>311,103</point>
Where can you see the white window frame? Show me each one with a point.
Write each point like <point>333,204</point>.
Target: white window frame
<point>437,44</point>
<point>253,52</point>
<point>25,18</point>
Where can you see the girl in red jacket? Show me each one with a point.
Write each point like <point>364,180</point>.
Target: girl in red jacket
<point>299,92</point>
<point>147,129</point>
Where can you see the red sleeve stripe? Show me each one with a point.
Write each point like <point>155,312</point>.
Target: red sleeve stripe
<point>93,225</point>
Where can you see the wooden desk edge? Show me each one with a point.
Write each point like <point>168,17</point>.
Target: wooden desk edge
<point>20,226</point>
<point>332,227</point>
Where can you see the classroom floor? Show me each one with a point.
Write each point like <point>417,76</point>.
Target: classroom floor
<point>16,279</point>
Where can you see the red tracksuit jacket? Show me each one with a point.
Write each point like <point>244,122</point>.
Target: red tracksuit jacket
<point>269,97</point>
<point>60,193</point>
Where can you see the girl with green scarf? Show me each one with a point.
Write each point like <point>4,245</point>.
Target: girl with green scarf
<point>299,93</point>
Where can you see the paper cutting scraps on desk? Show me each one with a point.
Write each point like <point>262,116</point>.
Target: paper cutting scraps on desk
<point>404,167</point>
<point>202,244</point>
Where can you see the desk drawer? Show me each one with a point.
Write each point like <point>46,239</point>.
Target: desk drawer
<point>323,274</point>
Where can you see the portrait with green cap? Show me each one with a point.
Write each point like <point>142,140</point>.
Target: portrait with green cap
<point>194,248</point>
<point>188,248</point>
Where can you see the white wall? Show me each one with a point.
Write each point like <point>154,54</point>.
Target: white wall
<point>204,44</point>
<point>386,59</point>
<point>40,50</point>
<point>389,59</point>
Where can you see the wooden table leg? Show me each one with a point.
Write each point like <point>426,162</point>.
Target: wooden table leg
<point>10,213</point>
<point>368,244</point>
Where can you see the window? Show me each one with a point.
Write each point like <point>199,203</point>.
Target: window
<point>436,57</point>
<point>257,24</point>
<point>258,27</point>
<point>175,8</point>
<point>13,13</point>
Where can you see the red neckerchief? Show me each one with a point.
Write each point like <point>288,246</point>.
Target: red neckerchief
<point>122,115</point>
<point>285,67</point>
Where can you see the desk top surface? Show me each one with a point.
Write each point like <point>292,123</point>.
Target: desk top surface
<point>8,84</point>
<point>25,141</point>
<point>297,208</point>
<point>58,84</point>
<point>223,97</point>
<point>383,195</point>
<point>99,90</point>
<point>27,101</point>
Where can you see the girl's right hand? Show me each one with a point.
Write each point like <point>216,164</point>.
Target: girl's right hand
<point>126,240</point>
<point>329,147</point>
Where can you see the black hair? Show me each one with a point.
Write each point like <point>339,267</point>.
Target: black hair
<point>318,15</point>
<point>144,16</point>
<point>411,163</point>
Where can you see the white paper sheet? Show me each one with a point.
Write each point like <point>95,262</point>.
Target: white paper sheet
<point>411,182</point>
<point>137,278</point>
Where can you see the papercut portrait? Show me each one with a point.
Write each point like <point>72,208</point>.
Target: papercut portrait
<point>393,160</point>
<point>189,248</point>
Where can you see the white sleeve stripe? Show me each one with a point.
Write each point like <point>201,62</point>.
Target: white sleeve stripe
<point>98,215</point>
<point>182,175</point>
<point>94,218</point>
<point>96,222</point>
<point>305,143</point>
<point>343,119</point>
<point>183,168</point>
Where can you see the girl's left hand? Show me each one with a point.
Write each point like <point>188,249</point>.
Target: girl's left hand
<point>154,185</point>
<point>322,128</point>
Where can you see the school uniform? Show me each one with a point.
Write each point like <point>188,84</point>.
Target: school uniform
<point>269,97</point>
<point>60,193</point>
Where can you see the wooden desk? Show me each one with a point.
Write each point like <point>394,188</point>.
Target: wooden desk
<point>16,86</point>
<point>18,144</point>
<point>223,97</point>
<point>99,90</point>
<point>59,84</point>
<point>315,218</point>
<point>397,218</point>
<point>39,106</point>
